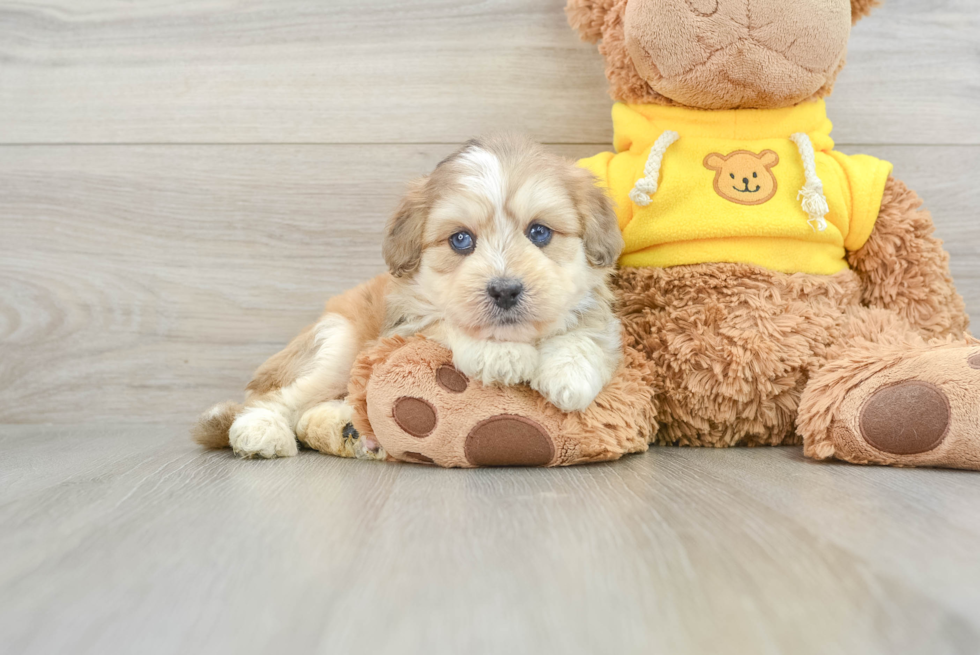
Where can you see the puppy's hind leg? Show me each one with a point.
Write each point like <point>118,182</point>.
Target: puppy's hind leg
<point>327,427</point>
<point>314,368</point>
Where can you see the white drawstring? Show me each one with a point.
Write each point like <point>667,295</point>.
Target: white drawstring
<point>814,201</point>
<point>647,185</point>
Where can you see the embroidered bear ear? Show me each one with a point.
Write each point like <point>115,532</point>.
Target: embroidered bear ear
<point>861,8</point>
<point>768,158</point>
<point>588,16</point>
<point>714,161</point>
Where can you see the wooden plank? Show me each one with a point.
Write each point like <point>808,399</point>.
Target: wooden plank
<point>373,71</point>
<point>143,283</point>
<point>162,548</point>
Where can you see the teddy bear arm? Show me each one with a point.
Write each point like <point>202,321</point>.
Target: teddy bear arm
<point>904,268</point>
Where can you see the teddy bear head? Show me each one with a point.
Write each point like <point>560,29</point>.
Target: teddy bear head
<point>719,54</point>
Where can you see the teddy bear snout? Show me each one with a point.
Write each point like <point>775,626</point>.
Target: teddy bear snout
<point>721,54</point>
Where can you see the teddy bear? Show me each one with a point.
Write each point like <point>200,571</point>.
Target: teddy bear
<point>772,290</point>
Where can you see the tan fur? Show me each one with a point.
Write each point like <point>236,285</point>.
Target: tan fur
<point>495,188</point>
<point>284,367</point>
<point>403,243</point>
<point>365,306</point>
<point>211,430</point>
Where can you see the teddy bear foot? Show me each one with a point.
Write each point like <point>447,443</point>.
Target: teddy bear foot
<point>436,415</point>
<point>421,409</point>
<point>922,409</point>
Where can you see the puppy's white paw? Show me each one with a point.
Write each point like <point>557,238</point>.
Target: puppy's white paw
<point>571,387</point>
<point>260,432</point>
<point>497,362</point>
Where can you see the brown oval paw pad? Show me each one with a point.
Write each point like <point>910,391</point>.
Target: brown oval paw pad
<point>974,360</point>
<point>450,379</point>
<point>415,416</point>
<point>507,440</point>
<point>906,418</point>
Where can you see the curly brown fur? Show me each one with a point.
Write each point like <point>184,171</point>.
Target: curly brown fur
<point>730,346</point>
<point>904,268</point>
<point>588,16</point>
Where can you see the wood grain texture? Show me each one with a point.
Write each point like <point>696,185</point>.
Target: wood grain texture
<point>144,283</point>
<point>126,540</point>
<point>377,71</point>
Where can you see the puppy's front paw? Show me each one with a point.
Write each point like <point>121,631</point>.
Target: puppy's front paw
<point>260,432</point>
<point>498,362</point>
<point>569,385</point>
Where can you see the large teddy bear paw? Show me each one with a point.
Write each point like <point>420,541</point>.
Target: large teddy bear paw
<point>919,408</point>
<point>408,396</point>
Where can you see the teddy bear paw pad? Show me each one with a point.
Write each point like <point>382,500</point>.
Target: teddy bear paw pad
<point>415,416</point>
<point>423,410</point>
<point>922,410</point>
<point>507,440</point>
<point>905,418</point>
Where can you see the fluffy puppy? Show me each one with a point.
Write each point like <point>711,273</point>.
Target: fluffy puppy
<point>502,254</point>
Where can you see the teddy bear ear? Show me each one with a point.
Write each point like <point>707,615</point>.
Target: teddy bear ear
<point>861,8</point>
<point>588,17</point>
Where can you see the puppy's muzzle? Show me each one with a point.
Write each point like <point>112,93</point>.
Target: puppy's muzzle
<point>505,292</point>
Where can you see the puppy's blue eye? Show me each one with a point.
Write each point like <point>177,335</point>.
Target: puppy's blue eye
<point>539,235</point>
<point>462,242</point>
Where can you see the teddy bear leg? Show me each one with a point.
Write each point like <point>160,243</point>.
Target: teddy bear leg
<point>421,409</point>
<point>900,404</point>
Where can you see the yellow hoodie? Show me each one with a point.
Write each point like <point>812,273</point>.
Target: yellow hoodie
<point>755,186</point>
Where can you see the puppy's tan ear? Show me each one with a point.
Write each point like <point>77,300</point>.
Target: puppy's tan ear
<point>861,8</point>
<point>588,17</point>
<point>600,228</point>
<point>402,245</point>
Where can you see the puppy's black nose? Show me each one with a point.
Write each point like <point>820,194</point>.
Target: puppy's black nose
<point>505,291</point>
<point>745,181</point>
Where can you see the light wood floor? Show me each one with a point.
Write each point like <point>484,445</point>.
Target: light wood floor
<point>183,184</point>
<point>128,540</point>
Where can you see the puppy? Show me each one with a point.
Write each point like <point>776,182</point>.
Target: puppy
<point>502,254</point>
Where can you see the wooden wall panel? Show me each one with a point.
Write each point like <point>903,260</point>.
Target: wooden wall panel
<point>142,283</point>
<point>426,71</point>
